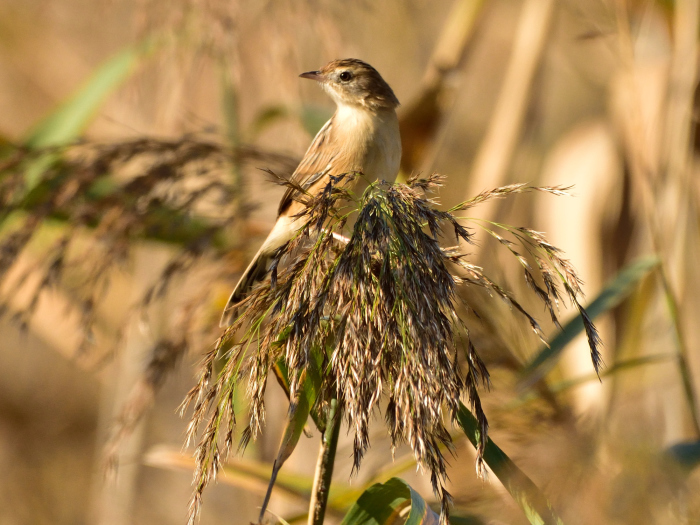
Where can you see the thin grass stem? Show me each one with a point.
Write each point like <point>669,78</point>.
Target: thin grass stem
<point>682,348</point>
<point>324,467</point>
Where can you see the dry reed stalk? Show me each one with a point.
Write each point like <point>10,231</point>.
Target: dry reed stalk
<point>662,184</point>
<point>423,121</point>
<point>493,158</point>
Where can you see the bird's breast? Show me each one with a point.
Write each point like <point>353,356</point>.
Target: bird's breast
<point>370,142</point>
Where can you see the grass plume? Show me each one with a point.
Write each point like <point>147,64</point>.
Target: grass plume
<point>379,312</point>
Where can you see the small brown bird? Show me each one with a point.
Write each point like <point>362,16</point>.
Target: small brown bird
<point>361,136</point>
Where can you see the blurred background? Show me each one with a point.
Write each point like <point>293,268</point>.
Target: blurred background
<point>131,134</point>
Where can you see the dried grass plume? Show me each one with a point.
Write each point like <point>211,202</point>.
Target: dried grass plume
<point>373,316</point>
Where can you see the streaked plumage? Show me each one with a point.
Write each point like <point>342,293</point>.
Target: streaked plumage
<point>362,136</point>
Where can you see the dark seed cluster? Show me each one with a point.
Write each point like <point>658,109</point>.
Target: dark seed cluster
<point>377,315</point>
<point>96,203</point>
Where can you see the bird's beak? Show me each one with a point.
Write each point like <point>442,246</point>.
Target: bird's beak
<point>312,75</point>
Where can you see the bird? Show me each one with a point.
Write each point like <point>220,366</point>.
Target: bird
<point>361,137</point>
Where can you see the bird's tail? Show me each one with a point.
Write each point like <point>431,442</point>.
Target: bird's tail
<point>255,272</point>
<point>282,232</point>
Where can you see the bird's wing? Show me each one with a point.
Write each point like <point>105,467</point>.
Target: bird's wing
<point>316,163</point>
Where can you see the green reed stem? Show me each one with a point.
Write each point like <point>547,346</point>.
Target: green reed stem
<point>682,348</point>
<point>324,467</point>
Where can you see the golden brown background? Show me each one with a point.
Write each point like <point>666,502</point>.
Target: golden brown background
<point>594,93</point>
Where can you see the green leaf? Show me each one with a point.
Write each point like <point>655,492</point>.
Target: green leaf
<point>313,118</point>
<point>266,118</point>
<point>613,294</point>
<point>562,386</point>
<point>299,409</point>
<point>527,495</point>
<point>282,374</point>
<point>382,504</point>
<point>229,105</point>
<point>71,118</point>
<point>686,455</point>
<point>6,146</point>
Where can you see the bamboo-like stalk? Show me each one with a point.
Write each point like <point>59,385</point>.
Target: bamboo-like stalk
<point>671,173</point>
<point>424,121</point>
<point>493,158</point>
<point>678,169</point>
<point>324,467</point>
<point>114,500</point>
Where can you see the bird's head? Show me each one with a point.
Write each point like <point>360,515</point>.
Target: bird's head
<point>352,82</point>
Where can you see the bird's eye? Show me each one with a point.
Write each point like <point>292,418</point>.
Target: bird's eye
<point>345,76</point>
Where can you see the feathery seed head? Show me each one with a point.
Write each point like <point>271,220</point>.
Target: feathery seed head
<point>376,316</point>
